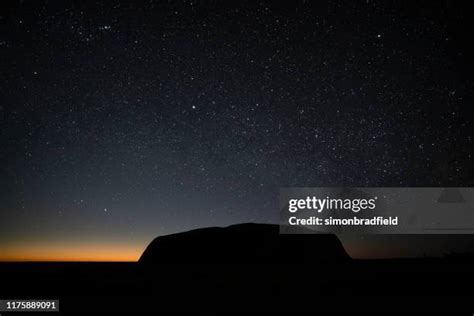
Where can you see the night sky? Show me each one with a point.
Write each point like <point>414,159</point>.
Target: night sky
<point>123,121</point>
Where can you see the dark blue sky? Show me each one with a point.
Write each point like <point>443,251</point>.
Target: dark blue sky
<point>122,121</point>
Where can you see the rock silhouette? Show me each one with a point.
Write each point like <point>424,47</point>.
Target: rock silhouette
<point>244,243</point>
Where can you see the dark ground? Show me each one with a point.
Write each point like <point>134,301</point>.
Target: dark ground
<point>400,286</point>
<point>198,271</point>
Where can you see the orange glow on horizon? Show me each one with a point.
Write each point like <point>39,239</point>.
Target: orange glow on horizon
<point>83,251</point>
<point>75,252</point>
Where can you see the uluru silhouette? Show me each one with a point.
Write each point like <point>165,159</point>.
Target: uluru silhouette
<point>244,243</point>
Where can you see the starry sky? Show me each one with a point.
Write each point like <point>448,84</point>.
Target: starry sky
<point>121,121</point>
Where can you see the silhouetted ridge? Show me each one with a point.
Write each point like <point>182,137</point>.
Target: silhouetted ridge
<point>243,243</point>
